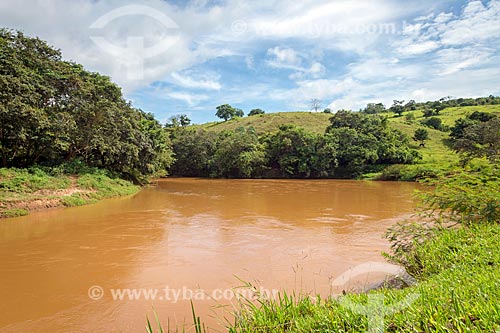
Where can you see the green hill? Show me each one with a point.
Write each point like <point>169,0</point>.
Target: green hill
<point>311,121</point>
<point>436,152</point>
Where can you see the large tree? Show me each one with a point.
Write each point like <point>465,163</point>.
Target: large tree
<point>227,112</point>
<point>53,111</point>
<point>398,107</point>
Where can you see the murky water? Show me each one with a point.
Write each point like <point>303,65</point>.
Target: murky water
<point>189,236</point>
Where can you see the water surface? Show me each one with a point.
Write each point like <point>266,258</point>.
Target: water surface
<point>191,234</point>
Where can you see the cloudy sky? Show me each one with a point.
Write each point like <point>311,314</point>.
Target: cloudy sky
<point>176,56</point>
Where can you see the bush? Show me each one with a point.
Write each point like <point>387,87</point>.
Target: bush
<point>30,180</point>
<point>467,198</point>
<point>14,212</point>
<point>409,172</point>
<point>435,123</point>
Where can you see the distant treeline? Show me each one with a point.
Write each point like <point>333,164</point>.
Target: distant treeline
<point>351,145</point>
<point>53,111</point>
<point>430,108</point>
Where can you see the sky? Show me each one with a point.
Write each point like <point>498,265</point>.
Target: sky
<point>187,57</point>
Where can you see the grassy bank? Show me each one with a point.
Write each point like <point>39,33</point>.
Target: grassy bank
<point>25,190</point>
<point>459,291</point>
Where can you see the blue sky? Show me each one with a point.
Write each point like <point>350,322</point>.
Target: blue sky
<point>175,57</point>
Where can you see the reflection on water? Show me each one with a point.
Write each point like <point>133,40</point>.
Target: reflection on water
<point>188,233</point>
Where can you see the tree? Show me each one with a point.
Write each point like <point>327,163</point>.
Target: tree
<point>411,105</point>
<point>434,122</point>
<point>398,107</point>
<point>297,153</point>
<point>438,106</point>
<point>458,130</point>
<point>239,154</point>
<point>365,140</point>
<point>327,110</point>
<point>481,139</point>
<point>481,116</point>
<point>421,135</point>
<point>184,120</point>
<point>52,111</point>
<point>429,112</point>
<point>374,108</point>
<point>226,112</point>
<point>194,151</point>
<point>178,120</point>
<point>238,113</point>
<point>255,112</point>
<point>315,104</point>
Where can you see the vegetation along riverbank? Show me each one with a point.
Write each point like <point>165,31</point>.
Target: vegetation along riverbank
<point>67,135</point>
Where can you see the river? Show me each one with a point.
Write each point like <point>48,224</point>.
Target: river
<point>61,268</point>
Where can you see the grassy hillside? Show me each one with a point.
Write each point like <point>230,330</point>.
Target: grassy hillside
<point>311,121</point>
<point>435,153</point>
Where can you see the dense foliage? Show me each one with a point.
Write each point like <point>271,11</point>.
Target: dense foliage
<point>430,108</point>
<point>353,143</point>
<point>53,111</point>
<point>477,135</point>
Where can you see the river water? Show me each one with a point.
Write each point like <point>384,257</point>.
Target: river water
<point>63,270</point>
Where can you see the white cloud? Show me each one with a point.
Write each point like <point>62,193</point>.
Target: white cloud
<point>190,99</point>
<point>476,24</point>
<point>283,58</point>
<point>443,17</point>
<point>379,68</point>
<point>208,83</point>
<point>413,49</point>
<point>287,58</point>
<point>453,60</point>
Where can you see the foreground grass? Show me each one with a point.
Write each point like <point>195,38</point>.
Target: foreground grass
<point>459,291</point>
<point>25,190</point>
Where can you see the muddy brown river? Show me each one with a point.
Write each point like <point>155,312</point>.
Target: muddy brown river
<point>104,267</point>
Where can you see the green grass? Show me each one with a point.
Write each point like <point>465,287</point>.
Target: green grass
<point>103,186</point>
<point>311,121</point>
<point>459,291</point>
<point>14,212</point>
<point>23,190</point>
<point>30,180</point>
<point>77,199</point>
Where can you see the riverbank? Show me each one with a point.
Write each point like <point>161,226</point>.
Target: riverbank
<point>457,269</point>
<point>26,190</point>
<point>458,291</point>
